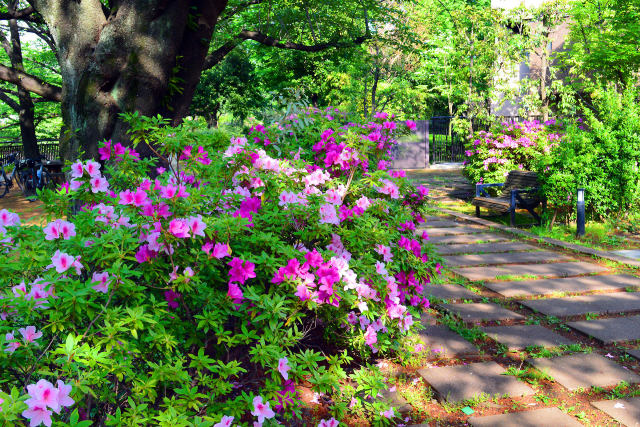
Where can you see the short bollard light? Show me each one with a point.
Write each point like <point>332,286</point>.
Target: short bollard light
<point>580,219</point>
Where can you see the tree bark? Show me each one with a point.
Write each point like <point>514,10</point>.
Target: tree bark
<point>145,56</point>
<point>26,111</point>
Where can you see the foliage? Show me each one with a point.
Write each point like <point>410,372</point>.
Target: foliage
<point>213,292</point>
<point>601,155</point>
<point>509,146</point>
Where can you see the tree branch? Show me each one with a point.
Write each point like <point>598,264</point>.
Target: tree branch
<point>218,55</point>
<point>25,14</point>
<point>10,102</point>
<point>31,83</point>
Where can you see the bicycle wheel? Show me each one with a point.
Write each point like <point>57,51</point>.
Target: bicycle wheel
<point>4,183</point>
<point>45,181</point>
<point>28,178</point>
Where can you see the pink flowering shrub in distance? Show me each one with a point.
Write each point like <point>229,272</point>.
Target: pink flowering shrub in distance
<point>509,146</point>
<point>207,288</point>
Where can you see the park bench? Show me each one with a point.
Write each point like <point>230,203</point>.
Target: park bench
<point>519,191</point>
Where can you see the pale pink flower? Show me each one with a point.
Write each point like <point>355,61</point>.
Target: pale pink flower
<point>331,422</point>
<point>43,394</point>
<point>179,228</point>
<point>385,251</point>
<point>77,170</point>
<point>11,344</point>
<point>103,281</point>
<point>8,219</point>
<point>389,413</point>
<point>197,226</point>
<point>226,421</point>
<point>37,415</point>
<point>283,367</point>
<point>63,395</point>
<point>59,227</point>
<point>29,334</point>
<point>99,184</point>
<point>380,268</point>
<point>261,410</point>
<point>92,168</point>
<point>328,214</point>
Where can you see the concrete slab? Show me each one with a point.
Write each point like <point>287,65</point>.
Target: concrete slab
<point>484,247</point>
<point>399,403</point>
<point>427,319</point>
<point>624,411</point>
<point>481,311</point>
<point>445,342</point>
<point>460,229</point>
<point>634,353</point>
<point>519,337</point>
<point>536,418</point>
<point>629,253</point>
<point>467,238</point>
<point>560,269</point>
<point>597,303</point>
<point>441,223</point>
<point>455,383</point>
<point>610,282</point>
<point>608,331</point>
<point>584,371</point>
<point>449,292</point>
<point>508,258</point>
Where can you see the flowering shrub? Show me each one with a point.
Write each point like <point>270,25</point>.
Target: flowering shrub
<point>509,146</point>
<point>209,294</point>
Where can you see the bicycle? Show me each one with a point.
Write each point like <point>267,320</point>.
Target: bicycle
<point>34,177</point>
<point>6,181</point>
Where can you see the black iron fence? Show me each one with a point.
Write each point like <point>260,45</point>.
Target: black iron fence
<point>49,148</point>
<point>445,145</point>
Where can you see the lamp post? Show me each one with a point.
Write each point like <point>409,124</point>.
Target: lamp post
<point>580,209</point>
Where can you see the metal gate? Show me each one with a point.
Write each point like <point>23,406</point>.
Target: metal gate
<point>445,146</point>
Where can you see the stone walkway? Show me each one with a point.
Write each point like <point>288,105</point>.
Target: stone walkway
<point>583,312</point>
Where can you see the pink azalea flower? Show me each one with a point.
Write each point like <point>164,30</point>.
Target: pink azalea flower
<point>179,228</point>
<point>103,281</point>
<point>380,268</point>
<point>140,198</point>
<point>29,334</point>
<point>389,413</point>
<point>328,214</point>
<point>77,170</point>
<point>197,226</point>
<point>54,229</point>
<point>261,410</point>
<point>38,415</point>
<point>411,125</point>
<point>331,422</point>
<point>221,250</point>
<point>92,168</point>
<point>235,293</point>
<point>226,421</point>
<point>385,251</point>
<point>62,262</point>
<point>283,367</point>
<point>11,344</point>
<point>168,192</point>
<point>240,270</point>
<point>63,395</point>
<point>371,337</point>
<point>8,219</point>
<point>99,184</point>
<point>43,394</point>
<point>105,150</point>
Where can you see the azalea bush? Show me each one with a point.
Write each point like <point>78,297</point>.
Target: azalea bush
<point>211,284</point>
<point>509,146</point>
<point>600,154</point>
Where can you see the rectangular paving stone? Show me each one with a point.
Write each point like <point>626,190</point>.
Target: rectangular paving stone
<point>634,353</point>
<point>460,229</point>
<point>609,282</point>
<point>455,383</point>
<point>441,223</point>
<point>508,258</point>
<point>608,331</point>
<point>560,269</point>
<point>442,340</point>
<point>519,337</point>
<point>484,247</point>
<point>481,311</point>
<point>449,292</point>
<point>467,238</point>
<point>624,411</point>
<point>536,418</point>
<point>584,371</point>
<point>597,303</point>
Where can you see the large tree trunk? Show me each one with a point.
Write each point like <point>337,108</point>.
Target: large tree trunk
<point>126,62</point>
<point>25,104</point>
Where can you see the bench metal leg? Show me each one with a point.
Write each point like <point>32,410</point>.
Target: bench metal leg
<point>512,217</point>
<point>478,211</point>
